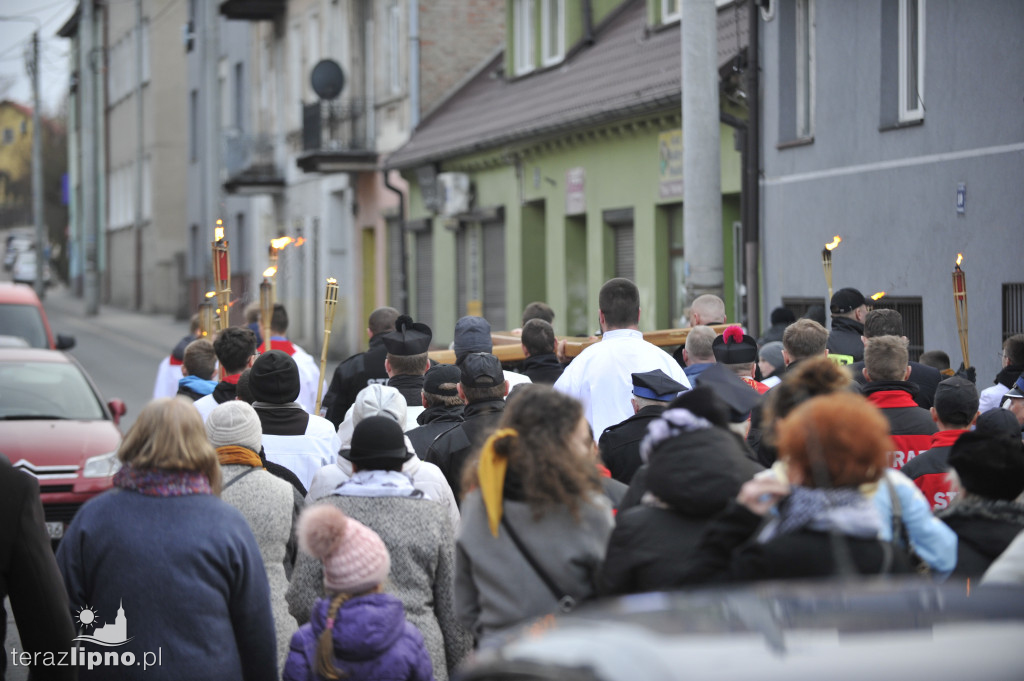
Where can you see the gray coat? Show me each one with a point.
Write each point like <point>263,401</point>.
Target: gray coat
<point>270,506</point>
<point>495,586</point>
<point>418,535</point>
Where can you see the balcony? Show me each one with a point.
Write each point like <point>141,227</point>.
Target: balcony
<point>249,166</point>
<point>334,138</point>
<point>253,10</point>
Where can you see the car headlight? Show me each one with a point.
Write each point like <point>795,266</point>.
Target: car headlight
<point>102,466</point>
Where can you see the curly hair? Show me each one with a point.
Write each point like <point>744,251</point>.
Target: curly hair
<point>838,440</point>
<point>541,454</point>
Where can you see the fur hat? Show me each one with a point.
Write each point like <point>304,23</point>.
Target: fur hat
<point>355,558</point>
<point>989,465</point>
<point>235,423</point>
<point>274,378</point>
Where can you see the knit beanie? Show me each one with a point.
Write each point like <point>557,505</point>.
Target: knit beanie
<point>234,423</point>
<point>990,465</point>
<point>354,557</point>
<point>274,378</point>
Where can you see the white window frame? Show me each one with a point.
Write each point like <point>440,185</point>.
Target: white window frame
<point>667,15</point>
<point>523,22</point>
<point>907,113</point>
<point>805,68</point>
<point>548,59</point>
<point>394,47</point>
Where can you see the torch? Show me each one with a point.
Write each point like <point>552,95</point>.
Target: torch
<point>206,319</point>
<point>275,249</point>
<point>826,263</point>
<point>960,306</point>
<point>267,304</point>
<point>221,273</point>
<point>330,304</point>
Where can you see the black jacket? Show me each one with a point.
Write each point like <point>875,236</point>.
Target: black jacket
<point>728,551</point>
<point>451,449</point>
<point>351,376</point>
<point>692,476</point>
<point>620,444</point>
<point>433,422</point>
<point>984,528</point>
<point>542,368</point>
<point>410,386</point>
<point>844,343</point>
<point>29,574</point>
<point>926,379</point>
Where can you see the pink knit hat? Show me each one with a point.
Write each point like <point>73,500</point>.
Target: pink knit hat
<point>354,557</point>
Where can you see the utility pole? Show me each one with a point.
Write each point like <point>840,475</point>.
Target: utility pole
<point>90,188</point>
<point>37,172</point>
<point>702,182</point>
<point>139,157</point>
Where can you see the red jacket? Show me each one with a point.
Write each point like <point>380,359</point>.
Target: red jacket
<point>911,426</point>
<point>930,472</point>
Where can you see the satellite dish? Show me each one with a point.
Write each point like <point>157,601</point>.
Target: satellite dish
<point>328,79</point>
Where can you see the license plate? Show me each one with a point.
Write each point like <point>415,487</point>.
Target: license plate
<point>55,530</point>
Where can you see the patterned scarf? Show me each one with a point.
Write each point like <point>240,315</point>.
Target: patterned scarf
<point>378,484</point>
<point>158,482</point>
<point>843,509</point>
<point>671,423</point>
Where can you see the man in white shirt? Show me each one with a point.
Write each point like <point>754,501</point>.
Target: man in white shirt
<point>309,370</point>
<point>601,376</point>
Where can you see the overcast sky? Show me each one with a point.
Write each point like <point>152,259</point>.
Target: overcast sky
<point>16,38</point>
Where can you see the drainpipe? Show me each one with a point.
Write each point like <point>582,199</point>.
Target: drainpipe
<point>751,220</point>
<point>404,293</point>
<point>588,22</point>
<point>414,64</point>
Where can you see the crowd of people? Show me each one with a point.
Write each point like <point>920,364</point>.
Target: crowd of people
<point>432,507</point>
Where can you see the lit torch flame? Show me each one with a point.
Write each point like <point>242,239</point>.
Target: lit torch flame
<point>300,241</point>
<point>959,259</point>
<point>332,280</point>
<point>281,242</point>
<point>270,271</point>
<point>211,294</point>
<point>835,242</point>
<point>878,296</point>
<point>218,231</point>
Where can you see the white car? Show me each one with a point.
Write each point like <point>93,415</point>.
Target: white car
<point>24,271</point>
<point>15,245</point>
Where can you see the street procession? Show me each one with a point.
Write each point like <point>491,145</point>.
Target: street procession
<point>512,339</point>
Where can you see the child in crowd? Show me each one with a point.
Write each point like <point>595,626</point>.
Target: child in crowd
<point>355,631</point>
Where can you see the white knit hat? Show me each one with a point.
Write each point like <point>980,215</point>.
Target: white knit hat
<point>235,423</point>
<point>355,558</point>
<point>373,400</point>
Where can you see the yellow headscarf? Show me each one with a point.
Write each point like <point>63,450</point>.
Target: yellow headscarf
<point>491,472</point>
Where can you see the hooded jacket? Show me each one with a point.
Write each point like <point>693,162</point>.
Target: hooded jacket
<point>372,640</point>
<point>691,477</point>
<point>984,527</point>
<point>911,426</point>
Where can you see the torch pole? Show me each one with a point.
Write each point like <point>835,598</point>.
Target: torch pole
<point>330,305</point>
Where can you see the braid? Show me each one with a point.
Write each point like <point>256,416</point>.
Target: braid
<point>325,646</point>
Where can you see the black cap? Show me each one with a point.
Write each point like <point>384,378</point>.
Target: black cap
<point>956,400</point>
<point>731,389</point>
<point>481,370</point>
<point>409,337</point>
<point>998,421</point>
<point>274,378</point>
<point>472,334</point>
<point>440,374</point>
<point>734,347</point>
<point>656,385</point>
<point>990,466</point>
<point>377,440</point>
<point>846,300</point>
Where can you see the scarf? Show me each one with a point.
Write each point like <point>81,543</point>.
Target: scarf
<point>973,506</point>
<point>158,482</point>
<point>671,423</point>
<point>200,386</point>
<point>843,509</point>
<point>378,484</point>
<point>236,454</point>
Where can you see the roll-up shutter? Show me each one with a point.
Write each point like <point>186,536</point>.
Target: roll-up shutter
<point>425,278</point>
<point>494,274</point>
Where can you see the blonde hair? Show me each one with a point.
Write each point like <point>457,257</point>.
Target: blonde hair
<point>169,435</point>
<point>325,644</point>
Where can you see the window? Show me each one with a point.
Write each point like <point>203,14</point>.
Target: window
<point>522,35</point>
<point>623,260</point>
<point>671,10</point>
<point>394,48</point>
<point>552,30</point>
<point>8,135</point>
<point>424,259</point>
<point>805,68</point>
<point>145,51</point>
<point>913,321</point>
<point>911,60</point>
<point>147,188</point>
<point>239,95</point>
<point>800,306</point>
<point>24,126</point>
<point>1013,309</point>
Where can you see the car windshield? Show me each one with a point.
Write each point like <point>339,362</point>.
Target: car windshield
<point>39,390</point>
<point>24,321</point>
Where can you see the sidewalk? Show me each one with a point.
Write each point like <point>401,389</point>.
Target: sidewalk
<point>156,330</point>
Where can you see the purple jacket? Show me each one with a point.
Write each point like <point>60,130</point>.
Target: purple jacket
<point>372,640</point>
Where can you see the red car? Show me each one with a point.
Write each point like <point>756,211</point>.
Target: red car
<point>55,426</point>
<point>21,314</point>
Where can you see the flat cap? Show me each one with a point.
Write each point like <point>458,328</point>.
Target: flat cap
<point>656,385</point>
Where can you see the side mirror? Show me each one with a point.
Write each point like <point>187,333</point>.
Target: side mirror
<point>65,342</point>
<point>117,410</point>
